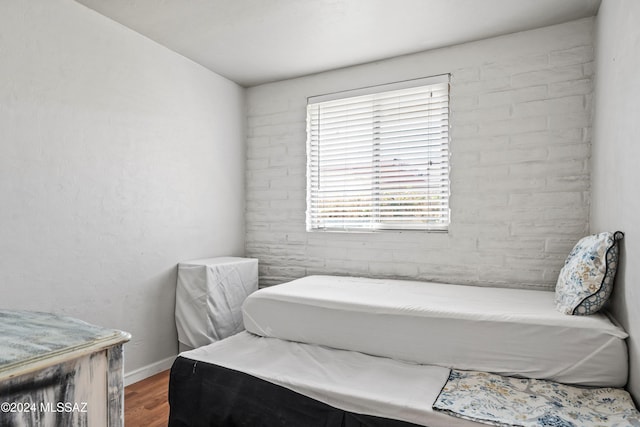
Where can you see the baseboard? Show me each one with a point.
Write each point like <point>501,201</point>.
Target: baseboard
<point>147,371</point>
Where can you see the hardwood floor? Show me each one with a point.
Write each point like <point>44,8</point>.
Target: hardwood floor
<point>146,402</point>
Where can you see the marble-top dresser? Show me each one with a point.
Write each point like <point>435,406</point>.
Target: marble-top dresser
<point>59,371</point>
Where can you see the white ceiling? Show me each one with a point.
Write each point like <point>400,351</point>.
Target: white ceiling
<point>258,41</point>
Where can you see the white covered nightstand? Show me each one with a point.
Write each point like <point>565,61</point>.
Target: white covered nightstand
<point>209,297</point>
<point>59,371</point>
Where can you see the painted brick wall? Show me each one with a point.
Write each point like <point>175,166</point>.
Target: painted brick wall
<point>520,185</point>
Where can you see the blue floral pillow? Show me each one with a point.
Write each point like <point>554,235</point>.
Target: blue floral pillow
<point>586,280</point>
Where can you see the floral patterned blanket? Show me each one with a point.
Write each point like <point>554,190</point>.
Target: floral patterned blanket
<point>504,401</point>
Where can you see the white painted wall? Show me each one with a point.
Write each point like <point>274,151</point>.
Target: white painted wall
<point>616,157</point>
<point>119,158</point>
<point>520,172</point>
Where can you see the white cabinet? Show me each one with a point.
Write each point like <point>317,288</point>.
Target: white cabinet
<point>209,297</point>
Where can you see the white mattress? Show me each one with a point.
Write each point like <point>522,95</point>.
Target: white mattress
<point>511,332</point>
<point>346,380</point>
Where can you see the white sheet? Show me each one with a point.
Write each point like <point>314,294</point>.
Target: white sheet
<point>505,331</point>
<point>209,294</point>
<point>346,380</point>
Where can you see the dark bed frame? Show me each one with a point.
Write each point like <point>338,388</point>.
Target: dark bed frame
<point>203,394</point>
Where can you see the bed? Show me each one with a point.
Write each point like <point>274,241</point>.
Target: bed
<point>343,351</point>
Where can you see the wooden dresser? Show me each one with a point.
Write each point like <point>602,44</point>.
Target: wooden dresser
<point>59,371</point>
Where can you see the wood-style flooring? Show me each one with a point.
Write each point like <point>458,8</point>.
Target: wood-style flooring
<point>146,402</point>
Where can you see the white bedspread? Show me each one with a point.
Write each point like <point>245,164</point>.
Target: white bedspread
<point>347,380</point>
<point>505,331</point>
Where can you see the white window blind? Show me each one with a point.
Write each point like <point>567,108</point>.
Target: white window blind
<point>378,158</point>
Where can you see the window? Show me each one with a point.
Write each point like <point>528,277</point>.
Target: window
<point>378,158</point>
